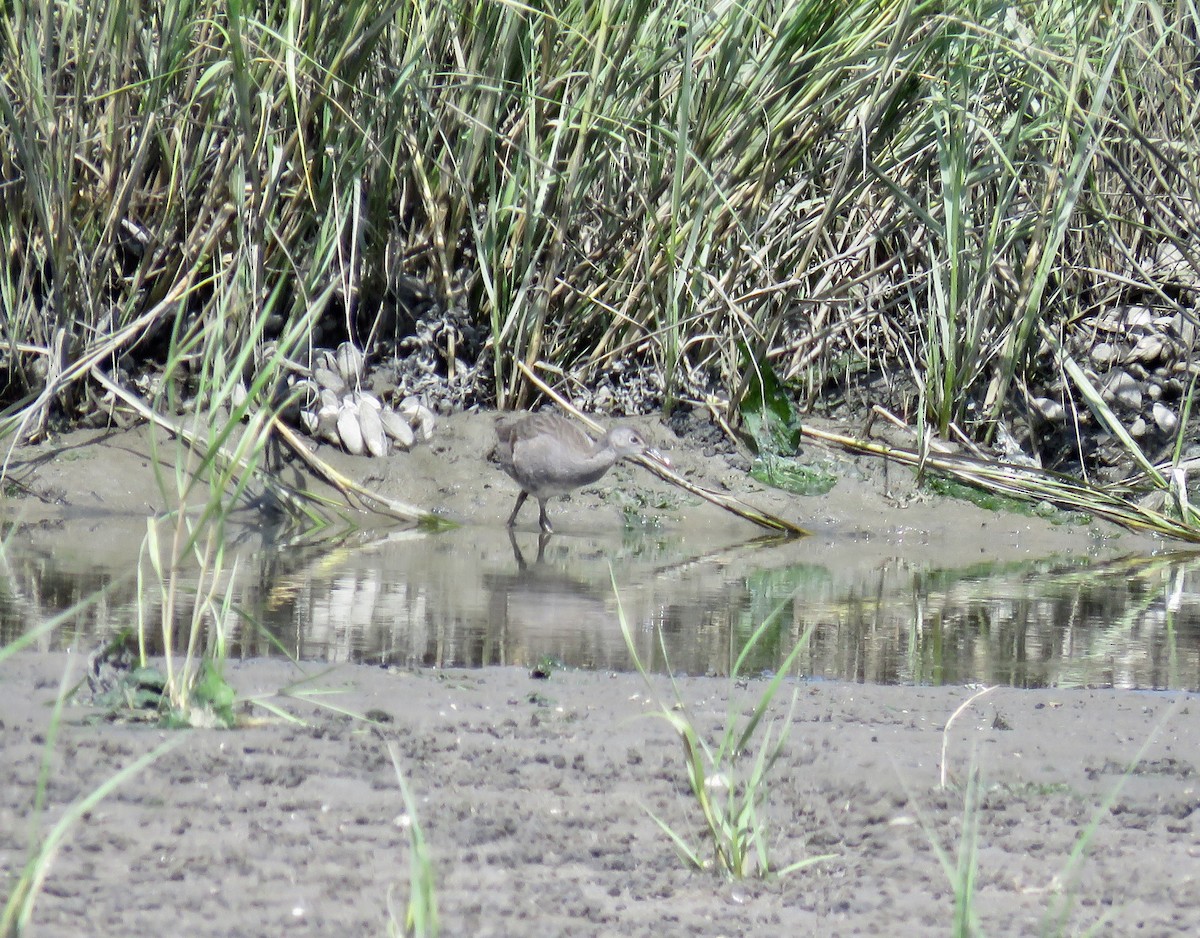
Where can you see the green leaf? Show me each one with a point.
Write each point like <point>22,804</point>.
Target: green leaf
<point>212,691</point>
<point>766,410</point>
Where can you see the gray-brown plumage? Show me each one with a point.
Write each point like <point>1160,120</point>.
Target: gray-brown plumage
<point>548,455</point>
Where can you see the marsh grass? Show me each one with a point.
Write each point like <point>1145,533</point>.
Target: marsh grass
<point>834,189</point>
<point>217,458</point>
<point>206,691</point>
<point>730,780</point>
<point>194,691</point>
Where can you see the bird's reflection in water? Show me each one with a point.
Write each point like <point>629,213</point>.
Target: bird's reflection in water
<point>540,611</point>
<point>522,564</point>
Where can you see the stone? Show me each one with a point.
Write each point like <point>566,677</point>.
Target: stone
<point>1122,388</point>
<point>1049,409</point>
<point>1165,418</point>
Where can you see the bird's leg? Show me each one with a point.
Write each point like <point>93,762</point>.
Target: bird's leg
<point>543,518</point>
<point>512,519</point>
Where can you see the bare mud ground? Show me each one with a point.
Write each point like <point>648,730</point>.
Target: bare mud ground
<point>94,486</point>
<point>533,796</point>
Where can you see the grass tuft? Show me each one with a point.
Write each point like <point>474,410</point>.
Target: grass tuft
<point>421,914</point>
<point>730,781</point>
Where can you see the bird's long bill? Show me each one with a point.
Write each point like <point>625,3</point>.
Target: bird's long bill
<point>655,456</point>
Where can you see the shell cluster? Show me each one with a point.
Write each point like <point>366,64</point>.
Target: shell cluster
<point>338,411</point>
<point>1141,358</point>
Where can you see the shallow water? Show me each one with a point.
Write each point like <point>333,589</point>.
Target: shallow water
<point>476,596</point>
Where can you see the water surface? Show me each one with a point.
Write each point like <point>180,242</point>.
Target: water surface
<point>478,596</point>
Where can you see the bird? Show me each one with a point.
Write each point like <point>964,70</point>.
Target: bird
<point>547,455</point>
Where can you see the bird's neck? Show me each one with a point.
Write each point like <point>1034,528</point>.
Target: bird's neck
<point>597,462</point>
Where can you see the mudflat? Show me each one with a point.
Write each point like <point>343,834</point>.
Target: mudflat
<point>83,489</point>
<point>533,796</point>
